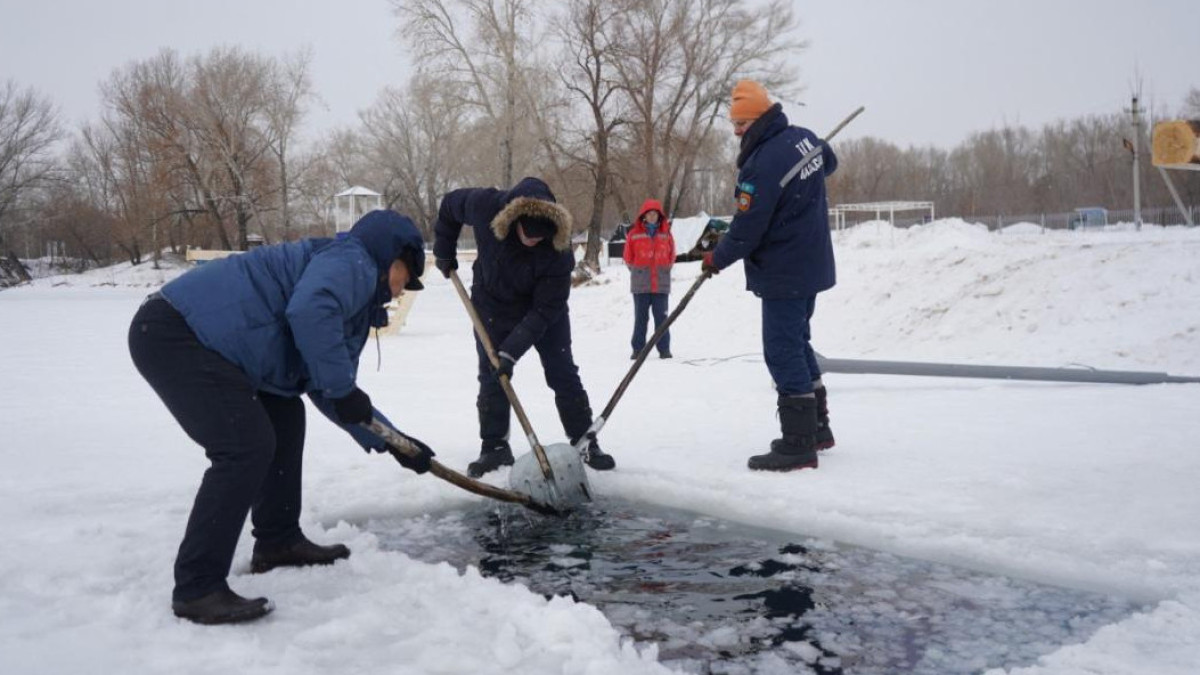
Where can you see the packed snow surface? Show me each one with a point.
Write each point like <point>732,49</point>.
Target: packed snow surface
<point>1086,486</point>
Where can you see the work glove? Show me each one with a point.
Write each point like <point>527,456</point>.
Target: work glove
<point>707,265</point>
<point>418,464</point>
<point>353,408</point>
<point>446,265</point>
<point>506,365</point>
<point>709,241</point>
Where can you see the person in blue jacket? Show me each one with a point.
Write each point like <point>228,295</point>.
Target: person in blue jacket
<point>780,231</point>
<point>521,281</point>
<point>229,347</point>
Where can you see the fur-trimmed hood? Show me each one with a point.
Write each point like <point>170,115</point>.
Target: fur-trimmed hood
<point>532,198</point>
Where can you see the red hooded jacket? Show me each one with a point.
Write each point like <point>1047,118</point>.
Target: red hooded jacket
<point>650,258</point>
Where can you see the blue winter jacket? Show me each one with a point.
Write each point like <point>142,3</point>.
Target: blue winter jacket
<point>295,316</point>
<point>523,285</point>
<point>781,231</point>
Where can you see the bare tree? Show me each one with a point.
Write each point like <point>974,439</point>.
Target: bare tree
<point>1191,104</point>
<point>290,89</point>
<point>342,158</point>
<point>648,79</point>
<point>128,193</point>
<point>217,129</point>
<point>346,155</point>
<point>314,179</point>
<point>152,97</point>
<point>1005,172</point>
<point>229,103</point>
<point>110,173</point>
<point>484,61</point>
<point>29,129</point>
<point>588,35</point>
<point>416,137</point>
<point>678,62</point>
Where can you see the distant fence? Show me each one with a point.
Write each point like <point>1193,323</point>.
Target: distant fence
<point>1164,215</point>
<point>1157,215</point>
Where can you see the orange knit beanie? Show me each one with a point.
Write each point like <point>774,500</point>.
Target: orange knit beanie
<point>749,101</point>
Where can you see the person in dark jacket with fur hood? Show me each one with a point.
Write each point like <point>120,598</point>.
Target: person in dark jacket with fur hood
<point>230,347</point>
<point>780,231</point>
<point>521,281</point>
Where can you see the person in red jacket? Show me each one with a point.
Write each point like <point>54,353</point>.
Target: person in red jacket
<point>650,253</point>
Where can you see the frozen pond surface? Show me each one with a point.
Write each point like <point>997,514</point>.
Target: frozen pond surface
<point>721,597</point>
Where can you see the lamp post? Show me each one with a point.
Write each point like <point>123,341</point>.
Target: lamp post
<point>1136,113</point>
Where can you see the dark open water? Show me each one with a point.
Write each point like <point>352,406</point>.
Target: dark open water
<point>721,597</point>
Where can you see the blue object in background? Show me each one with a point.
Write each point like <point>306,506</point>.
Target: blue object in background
<point>1089,216</point>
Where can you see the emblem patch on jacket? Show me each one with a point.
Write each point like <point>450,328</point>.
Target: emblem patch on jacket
<point>745,196</point>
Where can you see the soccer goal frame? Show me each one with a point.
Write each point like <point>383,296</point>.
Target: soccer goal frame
<point>838,213</point>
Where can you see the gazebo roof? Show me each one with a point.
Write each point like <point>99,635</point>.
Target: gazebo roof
<point>358,191</point>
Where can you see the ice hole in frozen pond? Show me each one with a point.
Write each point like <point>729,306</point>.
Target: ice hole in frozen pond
<point>722,597</point>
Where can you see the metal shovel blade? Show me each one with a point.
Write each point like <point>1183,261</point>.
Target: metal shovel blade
<point>570,484</point>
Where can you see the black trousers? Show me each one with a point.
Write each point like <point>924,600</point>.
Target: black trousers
<point>254,439</point>
<point>558,366</point>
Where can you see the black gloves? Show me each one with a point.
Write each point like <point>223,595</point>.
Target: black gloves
<point>446,265</point>
<point>418,464</point>
<point>506,365</point>
<point>707,264</point>
<point>353,408</point>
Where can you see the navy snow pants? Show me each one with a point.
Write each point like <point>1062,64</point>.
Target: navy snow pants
<point>645,304</point>
<point>254,440</point>
<point>787,344</point>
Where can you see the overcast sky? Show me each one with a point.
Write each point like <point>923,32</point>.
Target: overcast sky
<point>928,71</point>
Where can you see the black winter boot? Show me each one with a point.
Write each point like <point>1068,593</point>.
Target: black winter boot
<point>824,433</point>
<point>796,450</point>
<point>492,456</point>
<point>596,458</point>
<point>576,416</point>
<point>223,606</point>
<point>299,553</point>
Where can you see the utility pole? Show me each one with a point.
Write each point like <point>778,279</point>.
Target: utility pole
<point>1137,174</point>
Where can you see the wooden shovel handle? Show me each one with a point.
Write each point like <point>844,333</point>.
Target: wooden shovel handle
<point>538,451</point>
<point>399,445</point>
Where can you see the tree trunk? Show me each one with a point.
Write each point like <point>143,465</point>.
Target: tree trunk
<point>591,256</point>
<point>285,207</point>
<point>243,228</point>
<point>510,126</point>
<point>15,267</point>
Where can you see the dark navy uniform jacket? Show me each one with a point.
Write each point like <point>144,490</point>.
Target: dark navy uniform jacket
<point>781,231</point>
<point>523,286</point>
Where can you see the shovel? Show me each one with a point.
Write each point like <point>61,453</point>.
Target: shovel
<point>559,479</point>
<point>661,330</point>
<point>399,445</point>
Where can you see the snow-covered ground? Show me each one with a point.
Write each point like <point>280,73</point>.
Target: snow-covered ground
<point>1094,487</point>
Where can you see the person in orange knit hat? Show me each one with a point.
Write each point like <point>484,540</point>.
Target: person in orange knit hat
<point>750,101</point>
<point>780,229</point>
